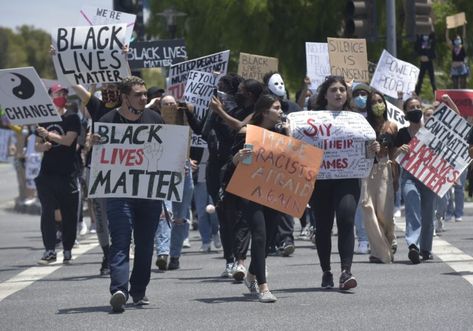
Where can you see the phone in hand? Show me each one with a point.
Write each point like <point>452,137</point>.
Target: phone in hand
<point>249,159</point>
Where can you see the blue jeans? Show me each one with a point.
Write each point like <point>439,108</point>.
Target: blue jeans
<point>419,207</point>
<point>459,198</point>
<point>359,224</point>
<point>163,233</point>
<point>127,216</point>
<point>181,211</point>
<point>208,223</point>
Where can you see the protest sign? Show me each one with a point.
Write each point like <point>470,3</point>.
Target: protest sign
<point>139,161</point>
<point>393,75</point>
<point>396,115</point>
<point>199,91</point>
<point>90,15</point>
<point>439,151</point>
<point>463,99</point>
<point>348,58</point>
<point>456,20</point>
<point>344,137</point>
<point>156,54</point>
<point>178,73</point>
<point>24,99</point>
<point>282,174</point>
<point>253,66</point>
<point>5,137</point>
<point>90,54</point>
<point>317,62</point>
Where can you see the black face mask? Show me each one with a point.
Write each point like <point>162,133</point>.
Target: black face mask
<point>414,116</point>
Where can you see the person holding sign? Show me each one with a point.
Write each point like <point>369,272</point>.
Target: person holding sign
<point>459,70</point>
<point>336,197</point>
<point>267,114</point>
<point>425,47</point>
<point>57,183</point>
<point>419,199</point>
<point>377,191</point>
<point>127,215</point>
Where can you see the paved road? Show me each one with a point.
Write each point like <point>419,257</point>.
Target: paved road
<point>437,295</point>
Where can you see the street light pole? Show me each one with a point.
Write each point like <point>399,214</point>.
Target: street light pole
<point>391,27</point>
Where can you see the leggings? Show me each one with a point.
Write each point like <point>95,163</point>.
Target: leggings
<point>338,197</point>
<point>253,218</point>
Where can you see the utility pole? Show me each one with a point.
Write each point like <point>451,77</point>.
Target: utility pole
<point>391,42</point>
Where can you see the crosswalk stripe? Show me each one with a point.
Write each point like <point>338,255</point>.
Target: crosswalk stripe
<point>30,275</point>
<point>455,258</point>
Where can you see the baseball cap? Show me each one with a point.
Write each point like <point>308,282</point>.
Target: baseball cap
<point>57,87</point>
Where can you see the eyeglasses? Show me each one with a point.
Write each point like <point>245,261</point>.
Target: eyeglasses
<point>334,77</point>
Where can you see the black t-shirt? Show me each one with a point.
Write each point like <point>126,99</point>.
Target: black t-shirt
<point>60,159</point>
<point>96,108</point>
<point>403,137</point>
<point>148,117</point>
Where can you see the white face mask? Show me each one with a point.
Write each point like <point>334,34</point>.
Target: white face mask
<point>276,85</point>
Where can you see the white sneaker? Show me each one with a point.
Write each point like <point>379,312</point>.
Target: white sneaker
<point>397,213</point>
<point>83,228</point>
<point>363,247</point>
<point>228,272</point>
<point>93,229</point>
<point>239,273</point>
<point>216,240</point>
<point>186,243</point>
<point>267,297</point>
<point>205,248</point>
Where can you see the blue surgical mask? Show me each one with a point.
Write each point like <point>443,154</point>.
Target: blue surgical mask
<point>457,42</point>
<point>360,101</point>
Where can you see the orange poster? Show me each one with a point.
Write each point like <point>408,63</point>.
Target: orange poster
<point>282,174</point>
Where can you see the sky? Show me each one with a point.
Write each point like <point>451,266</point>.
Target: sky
<point>45,14</point>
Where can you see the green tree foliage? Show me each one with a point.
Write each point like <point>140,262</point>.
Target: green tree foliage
<point>26,47</point>
<point>276,28</point>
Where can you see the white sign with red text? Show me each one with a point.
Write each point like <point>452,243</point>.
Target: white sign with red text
<point>344,137</point>
<point>438,153</point>
<point>143,161</point>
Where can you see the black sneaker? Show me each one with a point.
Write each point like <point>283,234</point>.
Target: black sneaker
<point>143,301</point>
<point>327,280</point>
<point>162,262</point>
<point>426,255</point>
<point>117,301</point>
<point>287,249</point>
<point>347,281</point>
<point>413,254</point>
<point>104,269</point>
<point>48,257</point>
<point>67,257</point>
<point>174,263</point>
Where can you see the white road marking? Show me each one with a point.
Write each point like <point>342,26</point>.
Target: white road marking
<point>455,258</point>
<point>30,275</point>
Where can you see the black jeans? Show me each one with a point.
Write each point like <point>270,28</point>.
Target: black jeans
<point>337,197</point>
<point>58,192</point>
<point>429,67</point>
<point>253,218</point>
<point>235,241</point>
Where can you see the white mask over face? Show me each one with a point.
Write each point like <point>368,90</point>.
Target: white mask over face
<point>276,85</point>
